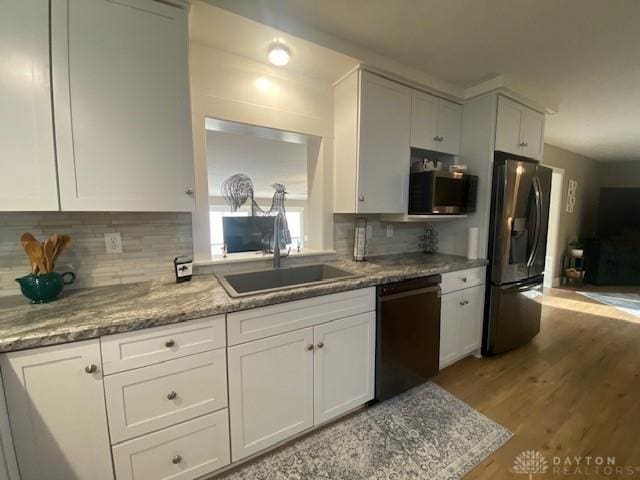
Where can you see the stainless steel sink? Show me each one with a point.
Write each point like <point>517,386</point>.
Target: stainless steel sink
<point>262,281</point>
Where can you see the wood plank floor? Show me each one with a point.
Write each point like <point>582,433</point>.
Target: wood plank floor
<point>574,390</point>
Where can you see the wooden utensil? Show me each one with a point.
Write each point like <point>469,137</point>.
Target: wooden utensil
<point>26,238</point>
<point>62,242</point>
<point>49,253</point>
<point>36,256</point>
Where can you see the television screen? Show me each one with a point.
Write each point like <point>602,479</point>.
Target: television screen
<point>618,211</point>
<point>247,234</point>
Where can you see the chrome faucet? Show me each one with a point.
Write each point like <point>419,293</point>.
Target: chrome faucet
<point>276,240</point>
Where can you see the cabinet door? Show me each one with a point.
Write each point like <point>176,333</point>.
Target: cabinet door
<point>57,412</point>
<point>121,96</point>
<point>424,120</point>
<point>27,161</point>
<point>508,129</point>
<point>449,127</point>
<point>532,133</point>
<point>449,314</point>
<point>343,365</point>
<point>470,320</point>
<point>270,390</point>
<point>384,152</point>
<point>8,463</point>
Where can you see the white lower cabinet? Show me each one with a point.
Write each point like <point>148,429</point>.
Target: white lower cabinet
<point>55,396</point>
<point>146,399</point>
<point>183,452</point>
<point>344,370</point>
<point>270,390</point>
<point>461,323</point>
<point>285,384</point>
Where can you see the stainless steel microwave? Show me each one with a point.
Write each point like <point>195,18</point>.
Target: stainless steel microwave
<point>438,192</point>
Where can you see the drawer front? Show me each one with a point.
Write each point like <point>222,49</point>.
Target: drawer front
<point>126,351</point>
<point>264,322</point>
<point>147,399</point>
<point>453,281</point>
<point>184,452</point>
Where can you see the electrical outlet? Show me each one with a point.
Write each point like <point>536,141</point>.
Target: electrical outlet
<point>369,232</point>
<point>113,242</point>
<point>389,230</point>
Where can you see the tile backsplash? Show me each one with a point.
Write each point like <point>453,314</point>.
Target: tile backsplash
<point>150,241</point>
<point>406,236</point>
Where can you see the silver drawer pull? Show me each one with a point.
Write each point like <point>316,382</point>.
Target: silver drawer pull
<point>93,368</point>
<point>320,344</point>
<point>170,343</point>
<point>172,395</point>
<point>177,459</point>
<point>310,347</point>
<point>464,279</point>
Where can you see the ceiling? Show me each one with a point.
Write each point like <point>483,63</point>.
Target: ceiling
<point>233,33</point>
<point>586,53</point>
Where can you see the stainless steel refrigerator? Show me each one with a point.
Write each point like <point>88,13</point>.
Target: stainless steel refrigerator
<point>517,248</point>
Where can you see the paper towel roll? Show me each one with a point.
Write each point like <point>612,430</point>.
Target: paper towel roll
<point>472,243</point>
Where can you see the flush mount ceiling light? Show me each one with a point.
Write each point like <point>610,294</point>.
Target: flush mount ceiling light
<point>279,54</point>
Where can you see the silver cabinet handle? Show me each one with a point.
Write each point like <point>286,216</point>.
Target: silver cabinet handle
<point>320,344</point>
<point>461,303</point>
<point>172,395</point>
<point>361,198</point>
<point>188,191</point>
<point>464,279</point>
<point>177,459</point>
<point>524,144</point>
<point>169,343</point>
<point>310,347</point>
<point>441,139</point>
<point>93,368</point>
<point>436,139</point>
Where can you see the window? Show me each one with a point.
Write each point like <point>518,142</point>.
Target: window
<point>295,220</point>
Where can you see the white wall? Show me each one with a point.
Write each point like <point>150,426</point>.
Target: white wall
<point>231,87</point>
<point>478,133</point>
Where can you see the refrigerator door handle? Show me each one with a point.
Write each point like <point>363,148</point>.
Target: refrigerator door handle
<point>523,288</point>
<point>536,237</point>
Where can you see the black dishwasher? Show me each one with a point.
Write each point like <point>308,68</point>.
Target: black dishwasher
<point>407,334</point>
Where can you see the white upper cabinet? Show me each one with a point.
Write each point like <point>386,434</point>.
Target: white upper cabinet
<point>121,97</point>
<point>519,130</point>
<point>436,124</point>
<point>55,399</point>
<point>27,158</point>
<point>532,134</point>
<point>424,121</point>
<point>449,127</point>
<point>372,130</point>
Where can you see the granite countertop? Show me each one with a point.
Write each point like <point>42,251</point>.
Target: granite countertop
<point>94,312</point>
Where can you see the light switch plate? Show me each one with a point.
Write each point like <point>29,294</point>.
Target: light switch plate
<point>389,230</point>
<point>113,242</point>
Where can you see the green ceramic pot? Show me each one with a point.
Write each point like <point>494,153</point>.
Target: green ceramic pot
<point>46,287</point>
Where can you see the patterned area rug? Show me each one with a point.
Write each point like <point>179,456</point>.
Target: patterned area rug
<point>627,302</point>
<point>425,433</point>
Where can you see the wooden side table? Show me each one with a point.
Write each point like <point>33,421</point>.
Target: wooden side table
<point>574,263</point>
